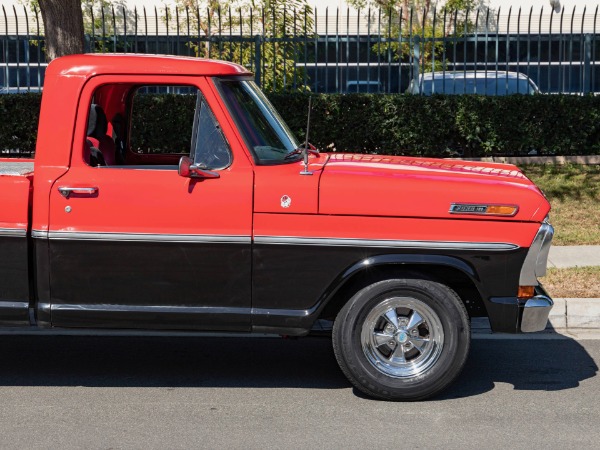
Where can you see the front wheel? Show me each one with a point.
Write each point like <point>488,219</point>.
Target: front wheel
<point>402,339</point>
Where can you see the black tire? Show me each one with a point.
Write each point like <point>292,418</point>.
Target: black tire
<point>417,361</point>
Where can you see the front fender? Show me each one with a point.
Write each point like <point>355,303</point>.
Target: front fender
<point>299,322</point>
<point>378,261</point>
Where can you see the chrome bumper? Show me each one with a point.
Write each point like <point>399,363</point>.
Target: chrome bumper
<point>536,260</point>
<point>535,313</point>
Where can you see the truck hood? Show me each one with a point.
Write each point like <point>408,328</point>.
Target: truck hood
<point>401,186</point>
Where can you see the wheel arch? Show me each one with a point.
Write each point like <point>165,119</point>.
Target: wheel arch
<point>451,271</point>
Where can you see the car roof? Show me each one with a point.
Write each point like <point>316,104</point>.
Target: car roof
<point>142,64</point>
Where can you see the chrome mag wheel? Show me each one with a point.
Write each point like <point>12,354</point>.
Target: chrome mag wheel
<point>402,337</point>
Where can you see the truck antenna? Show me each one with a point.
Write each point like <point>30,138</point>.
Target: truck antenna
<point>305,171</point>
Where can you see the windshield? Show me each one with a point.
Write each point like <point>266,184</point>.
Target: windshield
<point>482,86</point>
<point>265,132</point>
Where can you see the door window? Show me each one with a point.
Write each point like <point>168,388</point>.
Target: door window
<point>210,148</point>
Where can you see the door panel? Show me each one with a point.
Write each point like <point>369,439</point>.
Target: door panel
<point>147,248</point>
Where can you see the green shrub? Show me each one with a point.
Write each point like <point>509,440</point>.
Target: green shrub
<point>388,124</point>
<point>155,131</point>
<point>18,122</point>
<point>466,125</point>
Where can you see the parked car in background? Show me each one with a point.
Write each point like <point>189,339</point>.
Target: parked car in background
<point>363,86</point>
<point>20,90</point>
<point>490,82</point>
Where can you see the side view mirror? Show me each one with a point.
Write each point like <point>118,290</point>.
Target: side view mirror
<point>189,170</point>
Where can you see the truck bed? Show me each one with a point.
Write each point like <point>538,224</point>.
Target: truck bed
<point>15,168</point>
<point>16,178</point>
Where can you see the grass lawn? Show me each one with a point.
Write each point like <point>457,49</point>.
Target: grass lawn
<point>576,282</point>
<point>574,193</point>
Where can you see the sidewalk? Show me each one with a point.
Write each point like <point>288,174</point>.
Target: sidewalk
<point>574,315</point>
<point>574,256</point>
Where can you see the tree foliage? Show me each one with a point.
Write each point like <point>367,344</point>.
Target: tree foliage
<point>258,26</point>
<point>270,20</point>
<point>405,18</point>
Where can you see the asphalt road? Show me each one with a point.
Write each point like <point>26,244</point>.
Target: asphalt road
<point>147,392</point>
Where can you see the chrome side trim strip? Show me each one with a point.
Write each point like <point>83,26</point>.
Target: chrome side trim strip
<point>14,305</point>
<point>152,309</point>
<point>274,240</point>
<point>142,237</point>
<point>13,232</point>
<point>384,243</point>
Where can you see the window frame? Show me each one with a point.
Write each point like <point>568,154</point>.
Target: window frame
<point>201,98</point>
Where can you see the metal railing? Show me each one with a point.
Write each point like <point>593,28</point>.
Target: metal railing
<point>336,51</point>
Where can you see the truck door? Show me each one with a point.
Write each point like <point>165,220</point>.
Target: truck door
<point>137,245</point>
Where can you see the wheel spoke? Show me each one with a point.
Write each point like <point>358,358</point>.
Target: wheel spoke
<point>382,338</point>
<point>415,320</point>
<point>402,337</point>
<point>418,342</point>
<point>392,317</point>
<point>398,353</point>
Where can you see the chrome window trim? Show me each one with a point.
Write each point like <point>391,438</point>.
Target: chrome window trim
<point>141,237</point>
<point>385,243</point>
<point>13,232</point>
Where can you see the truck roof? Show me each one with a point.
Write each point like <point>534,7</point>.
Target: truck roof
<point>142,64</point>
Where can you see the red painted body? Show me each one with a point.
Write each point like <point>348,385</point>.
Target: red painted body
<point>15,190</point>
<point>342,185</point>
<point>364,197</point>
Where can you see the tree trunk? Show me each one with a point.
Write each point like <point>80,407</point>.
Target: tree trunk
<point>63,25</point>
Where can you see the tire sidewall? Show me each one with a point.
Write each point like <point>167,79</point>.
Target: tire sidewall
<point>455,326</point>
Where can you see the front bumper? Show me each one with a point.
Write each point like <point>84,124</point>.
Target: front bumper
<point>514,315</point>
<point>535,311</point>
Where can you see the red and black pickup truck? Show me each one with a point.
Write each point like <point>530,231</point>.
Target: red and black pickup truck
<point>233,226</point>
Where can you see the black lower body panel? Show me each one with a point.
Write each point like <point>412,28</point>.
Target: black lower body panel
<point>14,281</point>
<point>151,285</point>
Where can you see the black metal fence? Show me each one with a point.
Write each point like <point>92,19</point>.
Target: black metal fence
<point>336,51</point>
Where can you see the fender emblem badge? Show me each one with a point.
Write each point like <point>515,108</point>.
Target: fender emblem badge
<point>286,201</point>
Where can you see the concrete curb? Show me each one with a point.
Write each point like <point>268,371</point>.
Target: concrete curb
<point>576,314</point>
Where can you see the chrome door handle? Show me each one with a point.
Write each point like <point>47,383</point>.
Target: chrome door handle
<point>66,191</point>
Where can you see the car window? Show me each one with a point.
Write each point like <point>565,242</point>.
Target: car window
<point>264,131</point>
<point>481,86</point>
<point>210,149</point>
<point>162,119</point>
